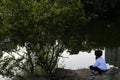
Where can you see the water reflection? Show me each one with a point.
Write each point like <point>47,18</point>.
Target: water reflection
<point>4,78</point>
<point>81,60</point>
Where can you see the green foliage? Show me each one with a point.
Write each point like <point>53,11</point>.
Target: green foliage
<point>49,57</point>
<point>63,20</point>
<point>38,27</point>
<point>47,27</point>
<point>57,19</point>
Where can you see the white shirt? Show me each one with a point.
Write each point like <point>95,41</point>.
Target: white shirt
<point>100,63</point>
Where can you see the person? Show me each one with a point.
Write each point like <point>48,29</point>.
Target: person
<point>100,65</point>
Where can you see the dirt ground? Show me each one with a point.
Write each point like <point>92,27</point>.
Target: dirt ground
<point>85,74</point>
<point>66,74</point>
<point>81,74</point>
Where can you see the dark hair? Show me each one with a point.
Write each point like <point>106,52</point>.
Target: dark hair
<point>98,53</point>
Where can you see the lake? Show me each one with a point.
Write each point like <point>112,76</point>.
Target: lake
<point>78,61</point>
<point>1,78</point>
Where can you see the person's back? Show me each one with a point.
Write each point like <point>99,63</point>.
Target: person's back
<point>100,64</point>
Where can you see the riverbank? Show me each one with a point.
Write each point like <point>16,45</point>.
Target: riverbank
<point>85,74</point>
<point>66,74</point>
<point>79,74</point>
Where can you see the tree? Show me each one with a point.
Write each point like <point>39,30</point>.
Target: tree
<point>74,24</point>
<point>43,27</point>
<point>103,30</point>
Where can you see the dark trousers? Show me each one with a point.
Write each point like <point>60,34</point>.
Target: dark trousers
<point>96,69</point>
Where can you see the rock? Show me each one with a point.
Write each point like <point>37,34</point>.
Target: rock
<point>111,74</point>
<point>85,74</point>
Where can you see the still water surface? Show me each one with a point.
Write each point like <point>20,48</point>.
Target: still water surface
<point>78,61</point>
